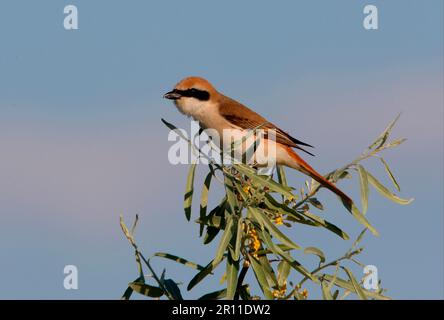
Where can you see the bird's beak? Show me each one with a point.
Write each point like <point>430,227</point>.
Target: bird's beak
<point>172,95</point>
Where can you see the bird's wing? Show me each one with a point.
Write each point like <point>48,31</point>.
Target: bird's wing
<point>243,117</point>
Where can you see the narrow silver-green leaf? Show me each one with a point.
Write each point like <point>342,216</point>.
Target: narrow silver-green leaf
<point>300,216</point>
<point>125,230</point>
<point>316,203</point>
<point>232,271</point>
<point>264,181</point>
<point>359,238</point>
<point>146,290</point>
<point>239,236</point>
<point>226,237</point>
<point>361,218</point>
<point>385,192</point>
<point>283,272</point>
<point>286,256</point>
<point>273,229</point>
<point>347,285</point>
<point>260,276</point>
<point>127,294</point>
<point>379,142</point>
<point>179,260</point>
<point>282,178</point>
<point>216,295</point>
<point>363,181</point>
<point>326,294</point>
<point>315,251</point>
<point>359,291</point>
<point>203,273</point>
<point>390,174</point>
<point>268,270</point>
<point>189,191</point>
<point>133,228</point>
<point>231,196</point>
<point>204,200</point>
<point>395,143</point>
<point>173,289</point>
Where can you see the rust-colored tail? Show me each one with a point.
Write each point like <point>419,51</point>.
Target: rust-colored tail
<point>305,168</point>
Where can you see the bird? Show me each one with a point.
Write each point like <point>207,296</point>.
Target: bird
<point>197,98</point>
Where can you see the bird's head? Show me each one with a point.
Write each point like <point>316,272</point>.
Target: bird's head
<point>192,95</point>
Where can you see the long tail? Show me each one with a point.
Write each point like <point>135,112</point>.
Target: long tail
<point>304,167</point>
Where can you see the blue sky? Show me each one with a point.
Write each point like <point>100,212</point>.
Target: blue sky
<point>81,138</point>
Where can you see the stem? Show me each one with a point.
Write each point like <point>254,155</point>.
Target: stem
<point>330,264</point>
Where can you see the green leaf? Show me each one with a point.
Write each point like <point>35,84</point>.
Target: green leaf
<point>395,143</point>
<point>333,280</point>
<point>232,271</point>
<point>129,291</point>
<point>326,224</point>
<point>202,274</point>
<point>231,196</point>
<point>179,260</point>
<point>244,292</point>
<point>127,294</point>
<point>146,290</point>
<point>125,230</point>
<point>345,175</point>
<point>189,191</point>
<point>301,215</point>
<point>359,291</point>
<point>379,142</point>
<point>281,175</point>
<point>347,285</point>
<point>223,244</point>
<point>268,270</point>
<point>204,200</point>
<point>335,295</point>
<point>359,238</point>
<point>216,216</point>
<point>315,251</point>
<point>316,203</point>
<point>264,181</point>
<point>283,272</point>
<point>390,174</point>
<point>266,251</point>
<point>360,217</point>
<point>282,178</point>
<point>364,187</point>
<point>211,234</point>
<point>260,276</point>
<point>173,289</point>
<point>215,295</point>
<point>287,257</point>
<point>385,192</point>
<point>272,228</point>
<point>239,237</point>
<point>133,228</point>
<point>326,294</point>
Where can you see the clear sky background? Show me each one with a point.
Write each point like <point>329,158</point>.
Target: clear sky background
<point>81,139</point>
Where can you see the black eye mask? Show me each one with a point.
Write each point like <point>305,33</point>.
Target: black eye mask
<point>201,95</point>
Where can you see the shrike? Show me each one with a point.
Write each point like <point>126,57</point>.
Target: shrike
<point>197,98</point>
